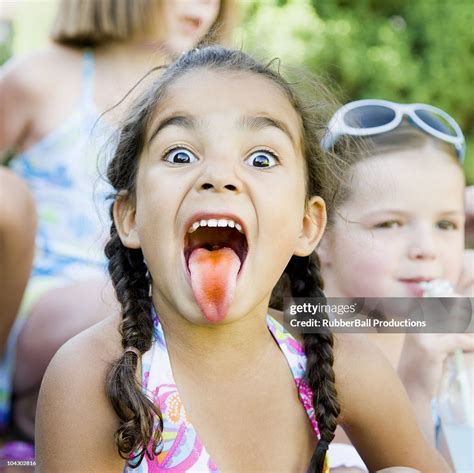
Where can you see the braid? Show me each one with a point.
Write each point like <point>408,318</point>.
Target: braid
<point>136,412</point>
<point>306,281</point>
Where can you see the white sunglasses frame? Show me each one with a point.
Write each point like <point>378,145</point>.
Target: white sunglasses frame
<point>337,127</point>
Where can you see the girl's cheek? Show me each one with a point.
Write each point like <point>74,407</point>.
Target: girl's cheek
<point>371,279</point>
<point>455,265</point>
<point>371,242</point>
<point>453,256</point>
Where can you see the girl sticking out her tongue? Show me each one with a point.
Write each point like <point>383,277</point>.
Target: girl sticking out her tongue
<point>220,185</point>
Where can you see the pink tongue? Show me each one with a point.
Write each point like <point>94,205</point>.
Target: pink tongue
<point>213,280</point>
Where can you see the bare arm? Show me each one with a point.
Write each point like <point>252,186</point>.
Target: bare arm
<point>37,93</point>
<point>16,102</point>
<point>376,412</point>
<point>75,423</point>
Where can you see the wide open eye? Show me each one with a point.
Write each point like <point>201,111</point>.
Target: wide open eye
<point>262,159</point>
<point>180,156</point>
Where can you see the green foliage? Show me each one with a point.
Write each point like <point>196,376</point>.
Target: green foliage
<point>6,31</point>
<point>393,49</point>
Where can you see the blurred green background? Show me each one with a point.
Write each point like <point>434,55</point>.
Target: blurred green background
<point>401,50</point>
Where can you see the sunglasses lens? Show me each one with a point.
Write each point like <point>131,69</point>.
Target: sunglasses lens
<point>369,116</point>
<point>436,121</point>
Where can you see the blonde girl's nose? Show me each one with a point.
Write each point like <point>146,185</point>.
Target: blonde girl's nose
<point>423,245</point>
<point>420,252</point>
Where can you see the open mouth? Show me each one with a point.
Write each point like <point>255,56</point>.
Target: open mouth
<point>216,234</point>
<point>215,250</point>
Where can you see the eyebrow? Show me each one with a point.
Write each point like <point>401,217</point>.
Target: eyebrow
<point>452,214</point>
<point>404,212</point>
<point>260,122</point>
<point>184,121</point>
<point>253,123</point>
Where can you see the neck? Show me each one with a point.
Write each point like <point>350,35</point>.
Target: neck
<point>137,50</point>
<point>214,348</point>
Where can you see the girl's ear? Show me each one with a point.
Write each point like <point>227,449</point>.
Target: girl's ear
<point>124,218</point>
<point>314,222</point>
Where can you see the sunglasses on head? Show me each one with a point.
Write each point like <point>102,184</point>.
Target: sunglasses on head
<point>371,117</point>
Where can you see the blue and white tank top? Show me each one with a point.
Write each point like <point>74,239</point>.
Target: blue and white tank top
<point>66,174</point>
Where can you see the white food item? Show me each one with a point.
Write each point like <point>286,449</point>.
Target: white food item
<point>437,288</point>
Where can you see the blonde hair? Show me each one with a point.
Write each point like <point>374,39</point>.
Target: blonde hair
<point>94,22</point>
<point>222,30</point>
<point>354,149</point>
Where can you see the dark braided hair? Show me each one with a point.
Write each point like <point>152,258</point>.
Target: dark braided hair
<point>305,281</point>
<point>140,422</point>
<point>129,275</point>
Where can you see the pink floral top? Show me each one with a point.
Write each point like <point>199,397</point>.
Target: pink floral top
<point>182,450</point>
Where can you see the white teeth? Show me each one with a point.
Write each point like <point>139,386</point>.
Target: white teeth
<point>193,227</point>
<point>213,222</point>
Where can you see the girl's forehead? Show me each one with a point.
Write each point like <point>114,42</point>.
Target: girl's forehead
<point>205,91</point>
<point>428,179</point>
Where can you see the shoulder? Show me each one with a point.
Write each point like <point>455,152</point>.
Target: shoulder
<point>356,360</point>
<point>75,421</point>
<point>375,410</point>
<point>30,72</point>
<point>32,76</point>
<point>359,366</point>
<point>83,361</point>
<point>34,63</point>
<point>99,345</point>
<point>28,84</point>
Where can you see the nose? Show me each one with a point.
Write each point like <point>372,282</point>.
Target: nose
<point>423,244</point>
<point>219,176</point>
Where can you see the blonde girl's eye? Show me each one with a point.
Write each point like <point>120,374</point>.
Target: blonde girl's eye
<point>180,156</point>
<point>263,159</point>
<point>389,224</point>
<point>446,225</point>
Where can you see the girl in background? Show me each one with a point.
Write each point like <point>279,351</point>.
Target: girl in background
<point>51,104</point>
<point>401,226</point>
<point>194,375</point>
